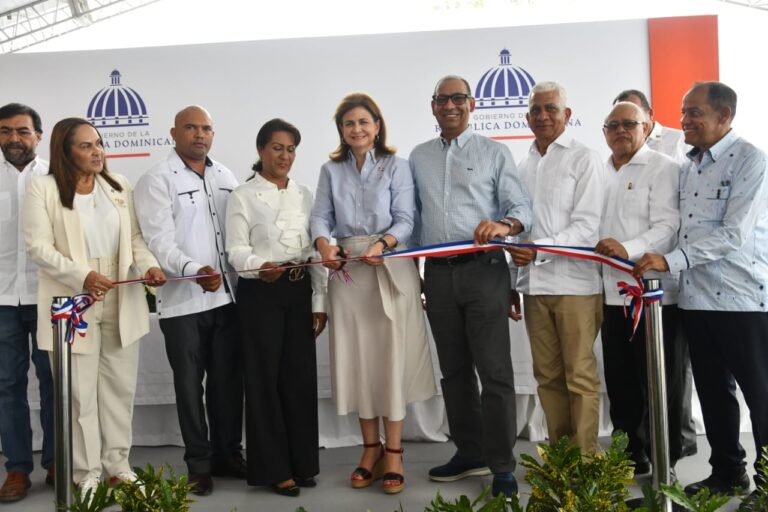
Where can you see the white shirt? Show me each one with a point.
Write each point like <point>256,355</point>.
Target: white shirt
<point>182,217</point>
<point>670,142</point>
<point>566,188</point>
<point>641,213</point>
<point>18,274</point>
<point>265,223</point>
<point>100,222</point>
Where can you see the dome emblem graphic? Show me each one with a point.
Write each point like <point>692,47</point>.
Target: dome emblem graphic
<point>117,106</point>
<point>504,86</point>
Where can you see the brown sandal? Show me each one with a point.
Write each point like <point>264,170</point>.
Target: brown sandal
<point>394,488</point>
<point>368,476</point>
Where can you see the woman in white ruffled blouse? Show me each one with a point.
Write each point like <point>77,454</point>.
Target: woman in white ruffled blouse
<point>281,313</point>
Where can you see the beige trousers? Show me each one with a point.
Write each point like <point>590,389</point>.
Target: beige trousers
<point>103,388</point>
<point>562,330</point>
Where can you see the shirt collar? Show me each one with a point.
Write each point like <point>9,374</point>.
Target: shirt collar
<point>717,150</point>
<point>261,181</point>
<point>656,131</point>
<point>176,163</point>
<point>639,158</point>
<point>370,156</point>
<point>28,168</point>
<point>563,140</point>
<point>461,140</point>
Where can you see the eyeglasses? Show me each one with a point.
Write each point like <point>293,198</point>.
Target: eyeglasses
<point>627,124</point>
<point>457,99</point>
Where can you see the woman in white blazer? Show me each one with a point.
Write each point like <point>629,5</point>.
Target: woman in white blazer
<point>81,230</point>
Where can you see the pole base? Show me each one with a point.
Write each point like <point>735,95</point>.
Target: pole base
<point>636,503</point>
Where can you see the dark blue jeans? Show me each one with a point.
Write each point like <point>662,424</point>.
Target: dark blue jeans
<point>18,329</point>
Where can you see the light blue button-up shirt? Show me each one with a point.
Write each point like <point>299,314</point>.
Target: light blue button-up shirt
<point>378,199</point>
<point>461,182</point>
<point>723,241</point>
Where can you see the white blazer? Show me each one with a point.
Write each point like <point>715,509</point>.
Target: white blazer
<point>55,241</point>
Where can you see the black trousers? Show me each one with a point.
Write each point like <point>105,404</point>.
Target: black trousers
<point>467,308</point>
<point>729,347</point>
<point>207,345</point>
<point>280,379</point>
<point>626,378</point>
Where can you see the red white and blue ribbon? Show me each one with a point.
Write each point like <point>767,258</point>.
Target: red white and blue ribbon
<point>635,296</point>
<point>72,311</point>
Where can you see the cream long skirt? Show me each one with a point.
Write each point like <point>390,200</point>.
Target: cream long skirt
<point>380,357</point>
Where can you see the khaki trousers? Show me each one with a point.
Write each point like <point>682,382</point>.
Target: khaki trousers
<point>562,330</point>
<point>103,388</point>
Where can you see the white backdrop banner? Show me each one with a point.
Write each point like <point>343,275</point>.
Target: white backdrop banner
<point>132,95</point>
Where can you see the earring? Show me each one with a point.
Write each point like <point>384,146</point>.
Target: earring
<point>376,139</point>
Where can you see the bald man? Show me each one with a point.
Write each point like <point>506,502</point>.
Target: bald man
<point>640,214</point>
<point>181,206</point>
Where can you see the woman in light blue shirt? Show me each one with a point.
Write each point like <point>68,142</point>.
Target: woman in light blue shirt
<point>380,358</point>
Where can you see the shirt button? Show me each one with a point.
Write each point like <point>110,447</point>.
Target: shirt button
<point>685,236</point>
<point>695,194</point>
<point>689,215</point>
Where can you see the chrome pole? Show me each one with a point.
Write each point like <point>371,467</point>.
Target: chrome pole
<point>62,410</point>
<point>657,394</point>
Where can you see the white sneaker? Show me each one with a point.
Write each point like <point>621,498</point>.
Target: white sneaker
<point>89,484</point>
<point>128,477</point>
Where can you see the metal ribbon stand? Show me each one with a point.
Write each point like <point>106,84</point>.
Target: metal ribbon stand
<point>657,394</point>
<point>62,410</point>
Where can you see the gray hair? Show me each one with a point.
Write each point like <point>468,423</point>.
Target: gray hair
<point>446,78</point>
<point>550,86</point>
<point>637,108</point>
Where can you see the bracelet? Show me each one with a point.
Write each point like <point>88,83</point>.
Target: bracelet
<point>384,243</point>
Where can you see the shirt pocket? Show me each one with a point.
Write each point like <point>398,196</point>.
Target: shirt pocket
<point>716,202</point>
<point>635,203</point>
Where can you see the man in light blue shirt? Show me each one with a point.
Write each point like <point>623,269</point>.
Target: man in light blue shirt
<point>722,255</point>
<point>467,187</point>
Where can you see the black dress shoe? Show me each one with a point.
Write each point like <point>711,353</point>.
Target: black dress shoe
<point>306,482</point>
<point>690,449</point>
<point>202,485</point>
<point>642,467</point>
<point>738,485</point>
<point>287,490</point>
<point>233,466</point>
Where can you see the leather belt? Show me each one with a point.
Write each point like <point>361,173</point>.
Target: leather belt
<point>457,259</point>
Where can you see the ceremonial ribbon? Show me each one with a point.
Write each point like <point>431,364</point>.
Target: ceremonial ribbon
<point>635,295</point>
<point>72,310</point>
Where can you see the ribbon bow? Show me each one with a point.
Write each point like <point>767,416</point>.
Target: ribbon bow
<point>637,297</point>
<point>73,310</point>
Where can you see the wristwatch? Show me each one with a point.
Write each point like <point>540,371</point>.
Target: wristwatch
<point>511,223</point>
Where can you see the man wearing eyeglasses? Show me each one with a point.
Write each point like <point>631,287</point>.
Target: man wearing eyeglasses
<point>640,214</point>
<point>468,188</point>
<point>722,254</point>
<point>20,132</point>
<point>562,296</point>
<point>663,139</point>
<point>670,142</point>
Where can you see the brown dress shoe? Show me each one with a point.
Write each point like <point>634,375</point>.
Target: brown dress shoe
<point>15,487</point>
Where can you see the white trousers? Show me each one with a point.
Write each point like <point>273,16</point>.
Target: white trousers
<point>103,389</point>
